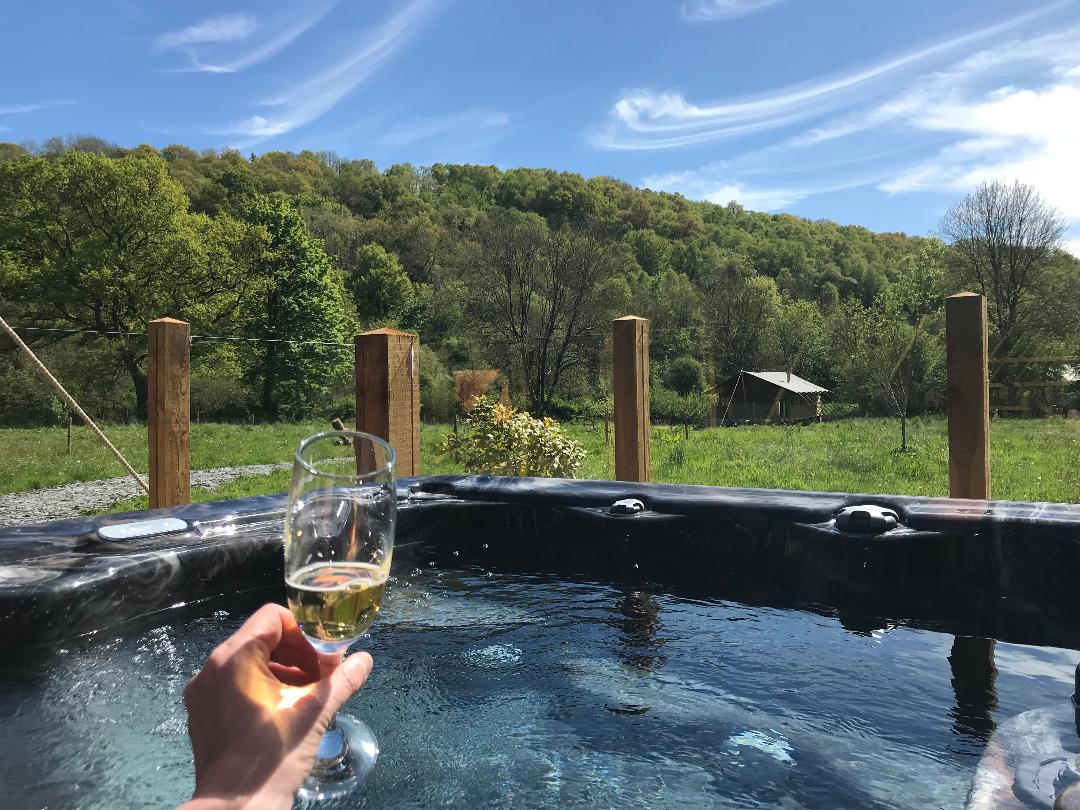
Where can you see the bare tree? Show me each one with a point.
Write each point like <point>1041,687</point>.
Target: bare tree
<point>1003,236</point>
<point>535,296</point>
<point>739,310</point>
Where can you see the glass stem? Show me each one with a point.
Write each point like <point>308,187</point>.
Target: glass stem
<point>333,747</point>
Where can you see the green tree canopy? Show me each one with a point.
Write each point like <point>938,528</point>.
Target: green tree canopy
<point>93,242</point>
<point>380,288</point>
<point>301,313</point>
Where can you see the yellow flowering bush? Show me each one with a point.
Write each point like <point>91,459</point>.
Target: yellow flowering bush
<point>499,440</point>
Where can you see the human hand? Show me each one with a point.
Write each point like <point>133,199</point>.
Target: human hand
<point>258,708</point>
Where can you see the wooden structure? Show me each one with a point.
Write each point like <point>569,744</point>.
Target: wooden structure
<point>1020,385</point>
<point>968,396</point>
<point>388,392</point>
<point>756,397</point>
<point>472,384</point>
<point>630,370</point>
<point>168,412</point>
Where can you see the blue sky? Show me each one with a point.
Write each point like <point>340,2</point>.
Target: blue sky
<point>867,112</point>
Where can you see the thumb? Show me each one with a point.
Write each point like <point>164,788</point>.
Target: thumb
<point>347,678</point>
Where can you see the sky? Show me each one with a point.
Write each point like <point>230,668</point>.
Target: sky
<point>873,113</point>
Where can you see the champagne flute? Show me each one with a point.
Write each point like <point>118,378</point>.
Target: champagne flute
<point>339,540</point>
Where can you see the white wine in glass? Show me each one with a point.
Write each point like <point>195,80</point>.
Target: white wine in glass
<point>339,541</point>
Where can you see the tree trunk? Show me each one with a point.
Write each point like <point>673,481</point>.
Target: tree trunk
<point>138,379</point>
<point>269,375</point>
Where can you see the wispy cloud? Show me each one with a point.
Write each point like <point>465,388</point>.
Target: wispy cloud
<point>719,184</point>
<point>1010,132</point>
<point>467,124</point>
<point>711,10</point>
<point>315,97</point>
<point>16,109</point>
<point>1054,52</point>
<point>229,28</point>
<point>703,185</point>
<point>644,119</point>
<point>1007,111</point>
<point>210,46</point>
<point>266,49</point>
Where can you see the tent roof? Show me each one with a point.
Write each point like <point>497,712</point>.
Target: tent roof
<point>794,383</point>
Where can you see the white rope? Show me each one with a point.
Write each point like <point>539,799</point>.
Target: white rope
<point>71,403</point>
<point>733,390</point>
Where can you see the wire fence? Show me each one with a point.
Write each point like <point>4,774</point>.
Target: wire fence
<point>227,384</point>
<point>228,377</point>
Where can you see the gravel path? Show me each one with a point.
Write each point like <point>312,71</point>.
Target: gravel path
<point>72,500</point>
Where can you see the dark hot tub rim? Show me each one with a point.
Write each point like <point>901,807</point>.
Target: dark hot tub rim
<point>921,513</point>
<point>978,559</point>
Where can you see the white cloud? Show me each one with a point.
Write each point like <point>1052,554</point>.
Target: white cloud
<point>468,123</point>
<point>268,48</point>
<point>1010,111</point>
<point>702,185</point>
<point>1054,52</point>
<point>710,10</point>
<point>229,28</point>
<point>315,97</point>
<point>720,183</point>
<point>1073,246</point>
<point>644,119</point>
<point>1030,134</point>
<point>17,109</point>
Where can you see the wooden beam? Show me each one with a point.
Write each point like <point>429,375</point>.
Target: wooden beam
<point>388,392</point>
<point>630,370</point>
<point>968,396</point>
<point>168,411</point>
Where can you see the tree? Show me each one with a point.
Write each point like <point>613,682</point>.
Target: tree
<point>892,352</point>
<point>380,289</point>
<point>301,311</point>
<point>685,376</point>
<point>739,310</point>
<point>681,409</point>
<point>652,251</point>
<point>533,294</point>
<point>1002,237</point>
<point>799,342</point>
<point>107,244</point>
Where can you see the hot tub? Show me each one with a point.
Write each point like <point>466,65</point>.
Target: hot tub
<point>604,644</point>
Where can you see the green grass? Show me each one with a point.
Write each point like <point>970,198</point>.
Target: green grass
<point>37,457</point>
<point>1036,460</point>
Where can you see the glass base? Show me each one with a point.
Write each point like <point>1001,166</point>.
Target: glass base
<point>347,753</point>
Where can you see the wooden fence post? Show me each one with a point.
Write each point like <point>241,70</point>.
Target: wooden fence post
<point>630,369</point>
<point>388,392</point>
<point>168,411</point>
<point>968,396</point>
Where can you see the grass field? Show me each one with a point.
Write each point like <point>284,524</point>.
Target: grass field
<point>1030,460</point>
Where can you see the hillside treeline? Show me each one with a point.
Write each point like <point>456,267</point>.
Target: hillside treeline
<point>278,259</point>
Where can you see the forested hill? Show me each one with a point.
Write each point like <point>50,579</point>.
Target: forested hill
<point>520,269</point>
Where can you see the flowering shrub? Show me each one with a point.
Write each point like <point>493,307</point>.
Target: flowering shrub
<point>502,441</point>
